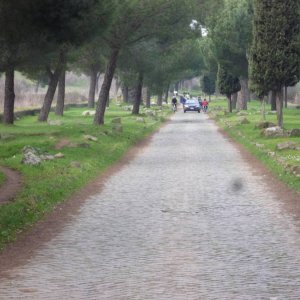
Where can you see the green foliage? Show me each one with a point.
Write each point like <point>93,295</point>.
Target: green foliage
<point>2,178</point>
<point>275,51</point>
<point>227,83</point>
<point>230,31</point>
<point>208,84</point>
<point>16,32</point>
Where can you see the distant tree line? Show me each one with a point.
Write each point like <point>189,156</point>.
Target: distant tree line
<point>250,45</point>
<point>253,45</point>
<point>141,43</point>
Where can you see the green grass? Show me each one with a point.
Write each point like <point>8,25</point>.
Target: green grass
<point>2,178</point>
<point>277,161</point>
<point>54,181</point>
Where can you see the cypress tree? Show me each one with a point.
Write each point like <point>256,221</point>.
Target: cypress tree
<point>208,84</point>
<point>275,52</point>
<point>227,85</point>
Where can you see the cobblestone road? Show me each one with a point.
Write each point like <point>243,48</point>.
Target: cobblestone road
<point>186,219</point>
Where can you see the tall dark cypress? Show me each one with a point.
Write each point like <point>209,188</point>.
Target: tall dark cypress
<point>275,51</point>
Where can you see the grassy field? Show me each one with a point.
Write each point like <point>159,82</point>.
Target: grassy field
<point>54,181</point>
<point>2,178</point>
<point>280,162</point>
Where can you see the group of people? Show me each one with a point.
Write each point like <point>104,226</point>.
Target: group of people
<point>203,103</point>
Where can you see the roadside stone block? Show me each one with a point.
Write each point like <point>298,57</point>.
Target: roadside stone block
<point>140,120</point>
<point>273,132</point>
<point>295,132</point>
<point>244,121</point>
<point>264,124</point>
<point>55,122</point>
<point>286,145</point>
<point>116,121</point>
<point>90,138</point>
<point>89,113</point>
<point>117,128</point>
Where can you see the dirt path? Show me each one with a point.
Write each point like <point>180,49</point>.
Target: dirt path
<point>11,186</point>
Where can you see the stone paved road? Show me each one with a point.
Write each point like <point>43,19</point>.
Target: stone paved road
<point>186,219</point>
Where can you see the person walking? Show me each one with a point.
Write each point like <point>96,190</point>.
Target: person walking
<point>174,103</point>
<point>200,102</point>
<point>182,101</point>
<point>205,105</point>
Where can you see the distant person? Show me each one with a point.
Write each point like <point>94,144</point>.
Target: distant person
<point>205,105</point>
<point>182,101</point>
<point>200,102</point>
<point>174,103</point>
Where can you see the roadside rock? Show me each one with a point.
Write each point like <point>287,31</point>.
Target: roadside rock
<point>6,136</point>
<point>117,128</point>
<point>75,164</point>
<point>140,120</point>
<point>295,132</point>
<point>89,113</point>
<point>264,124</point>
<point>273,132</point>
<point>150,113</point>
<point>47,157</point>
<point>259,146</point>
<point>55,122</point>
<point>286,145</point>
<point>90,138</point>
<point>244,121</point>
<point>116,121</point>
<point>83,145</point>
<point>296,170</point>
<point>128,108</point>
<point>59,155</point>
<point>31,156</point>
<point>242,113</point>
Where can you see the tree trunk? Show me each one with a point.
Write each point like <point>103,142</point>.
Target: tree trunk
<point>177,86</point>
<point>167,93</point>
<point>245,94</point>
<point>285,97</point>
<point>9,97</point>
<point>273,100</point>
<point>279,106</point>
<point>159,99</point>
<point>138,97</point>
<point>263,108</point>
<point>60,104</point>
<point>234,100</point>
<point>104,93</point>
<point>125,92</point>
<point>148,98</point>
<point>92,90</point>
<point>229,104</point>
<point>53,81</point>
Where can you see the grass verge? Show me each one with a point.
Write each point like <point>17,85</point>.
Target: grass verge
<point>2,178</point>
<point>54,181</point>
<point>280,162</point>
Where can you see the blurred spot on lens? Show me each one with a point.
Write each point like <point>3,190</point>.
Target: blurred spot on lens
<point>237,184</point>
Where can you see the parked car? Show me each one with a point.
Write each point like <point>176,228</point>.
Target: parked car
<point>192,105</point>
